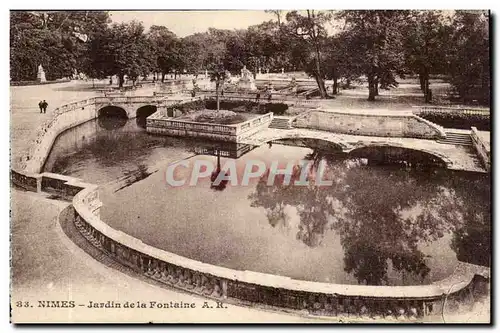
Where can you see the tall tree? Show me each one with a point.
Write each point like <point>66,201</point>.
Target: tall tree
<point>310,29</point>
<point>469,56</point>
<point>218,74</point>
<point>121,50</point>
<point>375,44</point>
<point>55,39</point>
<point>427,38</point>
<point>166,48</point>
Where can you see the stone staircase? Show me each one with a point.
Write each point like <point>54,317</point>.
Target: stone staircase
<point>281,123</point>
<point>455,138</point>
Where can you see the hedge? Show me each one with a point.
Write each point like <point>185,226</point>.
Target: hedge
<point>458,120</point>
<point>248,106</point>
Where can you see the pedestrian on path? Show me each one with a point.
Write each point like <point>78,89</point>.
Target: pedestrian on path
<point>40,105</point>
<point>44,106</point>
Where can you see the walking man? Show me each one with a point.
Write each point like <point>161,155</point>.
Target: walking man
<point>40,105</point>
<point>44,105</point>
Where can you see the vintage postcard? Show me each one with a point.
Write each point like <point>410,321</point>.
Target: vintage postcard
<point>277,166</point>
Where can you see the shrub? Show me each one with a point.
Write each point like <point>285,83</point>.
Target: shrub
<point>460,120</point>
<point>248,106</point>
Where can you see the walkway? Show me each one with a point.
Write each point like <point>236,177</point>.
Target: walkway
<point>461,157</point>
<point>25,116</point>
<point>47,265</point>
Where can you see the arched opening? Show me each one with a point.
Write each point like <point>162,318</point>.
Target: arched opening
<point>111,117</point>
<point>142,113</point>
<point>380,155</point>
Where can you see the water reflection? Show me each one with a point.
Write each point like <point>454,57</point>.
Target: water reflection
<point>142,113</point>
<point>382,215</point>
<point>218,178</point>
<point>374,225</point>
<point>111,122</point>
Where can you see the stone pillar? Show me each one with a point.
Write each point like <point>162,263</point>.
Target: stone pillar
<point>38,183</point>
<point>224,289</point>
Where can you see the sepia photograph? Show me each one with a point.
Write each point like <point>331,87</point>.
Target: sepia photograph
<point>250,166</point>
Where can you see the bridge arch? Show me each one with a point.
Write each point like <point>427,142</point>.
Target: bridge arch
<point>305,141</point>
<point>143,112</point>
<point>388,153</point>
<point>112,111</point>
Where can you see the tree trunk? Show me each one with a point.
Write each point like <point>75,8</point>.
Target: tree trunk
<point>335,86</point>
<point>319,77</point>
<point>121,78</point>
<point>427,91</point>
<point>422,82</point>
<point>163,77</point>
<point>375,86</point>
<point>217,94</point>
<point>371,88</point>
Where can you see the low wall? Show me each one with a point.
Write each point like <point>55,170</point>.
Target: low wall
<point>481,149</point>
<point>26,181</point>
<point>158,123</point>
<point>378,124</point>
<point>66,118</point>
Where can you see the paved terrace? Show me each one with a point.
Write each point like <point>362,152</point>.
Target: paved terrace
<point>458,157</point>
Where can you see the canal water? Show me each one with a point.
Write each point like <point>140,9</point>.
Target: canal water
<point>375,225</point>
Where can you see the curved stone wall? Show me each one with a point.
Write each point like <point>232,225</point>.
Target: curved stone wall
<point>380,123</point>
<point>246,287</point>
<point>397,302</point>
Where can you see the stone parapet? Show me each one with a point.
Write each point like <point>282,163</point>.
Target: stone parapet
<point>482,149</point>
<point>381,124</point>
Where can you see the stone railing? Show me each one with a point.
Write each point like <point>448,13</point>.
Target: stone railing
<point>289,100</point>
<point>457,109</point>
<point>160,124</point>
<point>191,126</point>
<point>278,292</point>
<point>481,148</point>
<point>127,99</point>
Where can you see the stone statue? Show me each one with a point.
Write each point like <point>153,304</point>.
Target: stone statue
<point>245,73</point>
<point>246,81</point>
<point>40,76</point>
<point>282,70</point>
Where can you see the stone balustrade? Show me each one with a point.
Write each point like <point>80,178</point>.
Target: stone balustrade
<point>245,287</point>
<point>458,109</point>
<point>161,124</point>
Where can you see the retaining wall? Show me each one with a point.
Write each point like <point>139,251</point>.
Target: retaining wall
<point>481,149</point>
<point>376,124</point>
<point>62,121</point>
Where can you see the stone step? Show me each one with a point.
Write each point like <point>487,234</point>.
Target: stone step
<point>453,138</point>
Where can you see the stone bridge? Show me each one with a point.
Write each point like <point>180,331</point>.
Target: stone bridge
<point>452,156</point>
<point>133,106</point>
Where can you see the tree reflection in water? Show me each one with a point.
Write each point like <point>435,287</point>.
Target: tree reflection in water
<point>218,185</point>
<point>381,214</point>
